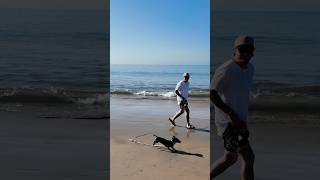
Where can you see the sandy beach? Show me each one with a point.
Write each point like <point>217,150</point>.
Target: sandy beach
<point>140,118</point>
<point>284,150</point>
<point>34,147</point>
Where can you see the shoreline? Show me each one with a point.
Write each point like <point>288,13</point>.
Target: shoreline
<point>145,113</point>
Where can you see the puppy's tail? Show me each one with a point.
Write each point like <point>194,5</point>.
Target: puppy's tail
<point>155,135</point>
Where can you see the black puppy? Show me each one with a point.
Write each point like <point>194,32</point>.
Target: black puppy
<point>166,142</point>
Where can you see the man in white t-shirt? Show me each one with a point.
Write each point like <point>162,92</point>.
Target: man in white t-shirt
<point>230,90</point>
<point>182,90</point>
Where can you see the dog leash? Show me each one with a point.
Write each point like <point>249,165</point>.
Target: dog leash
<point>142,135</point>
<point>145,144</point>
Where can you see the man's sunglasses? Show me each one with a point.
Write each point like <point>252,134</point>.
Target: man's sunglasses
<point>246,49</point>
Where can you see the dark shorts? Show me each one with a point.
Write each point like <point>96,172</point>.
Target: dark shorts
<point>234,138</point>
<point>184,106</point>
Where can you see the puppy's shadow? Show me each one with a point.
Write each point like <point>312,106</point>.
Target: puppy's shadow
<point>181,152</point>
<point>186,153</point>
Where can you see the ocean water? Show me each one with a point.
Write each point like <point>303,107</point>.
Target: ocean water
<point>54,56</point>
<point>287,66</point>
<point>158,80</point>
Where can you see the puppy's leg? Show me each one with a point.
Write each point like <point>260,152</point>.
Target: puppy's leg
<point>154,142</point>
<point>174,149</point>
<point>171,149</point>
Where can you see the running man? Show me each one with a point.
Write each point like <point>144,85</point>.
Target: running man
<point>182,91</point>
<point>230,94</point>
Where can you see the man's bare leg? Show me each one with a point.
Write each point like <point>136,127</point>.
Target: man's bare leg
<point>223,163</point>
<point>247,162</point>
<point>178,113</point>
<point>188,117</point>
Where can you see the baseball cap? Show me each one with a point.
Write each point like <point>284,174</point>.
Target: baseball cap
<point>243,40</point>
<point>185,74</point>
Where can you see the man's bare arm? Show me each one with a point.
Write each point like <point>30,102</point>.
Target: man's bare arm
<point>178,94</point>
<point>215,98</point>
<point>217,101</point>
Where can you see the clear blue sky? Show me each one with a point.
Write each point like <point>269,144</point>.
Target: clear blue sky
<point>160,31</point>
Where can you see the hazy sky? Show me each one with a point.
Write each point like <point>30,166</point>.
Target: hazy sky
<point>83,4</point>
<point>159,32</point>
<point>267,5</point>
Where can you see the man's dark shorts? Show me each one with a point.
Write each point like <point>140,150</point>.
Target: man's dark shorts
<point>184,106</point>
<point>234,138</point>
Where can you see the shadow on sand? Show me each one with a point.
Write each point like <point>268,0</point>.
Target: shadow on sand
<point>180,152</point>
<point>187,153</point>
<point>195,129</point>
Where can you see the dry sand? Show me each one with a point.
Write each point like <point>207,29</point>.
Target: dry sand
<point>144,117</point>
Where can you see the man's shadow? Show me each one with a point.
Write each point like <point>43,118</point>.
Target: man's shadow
<point>172,129</point>
<point>195,129</point>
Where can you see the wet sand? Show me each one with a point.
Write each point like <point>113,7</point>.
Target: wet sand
<point>52,148</point>
<point>282,152</point>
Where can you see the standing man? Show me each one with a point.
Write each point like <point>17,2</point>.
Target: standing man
<point>182,90</point>
<point>230,90</point>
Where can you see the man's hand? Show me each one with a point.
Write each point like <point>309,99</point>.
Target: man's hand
<point>184,101</point>
<point>235,120</point>
<point>239,125</point>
